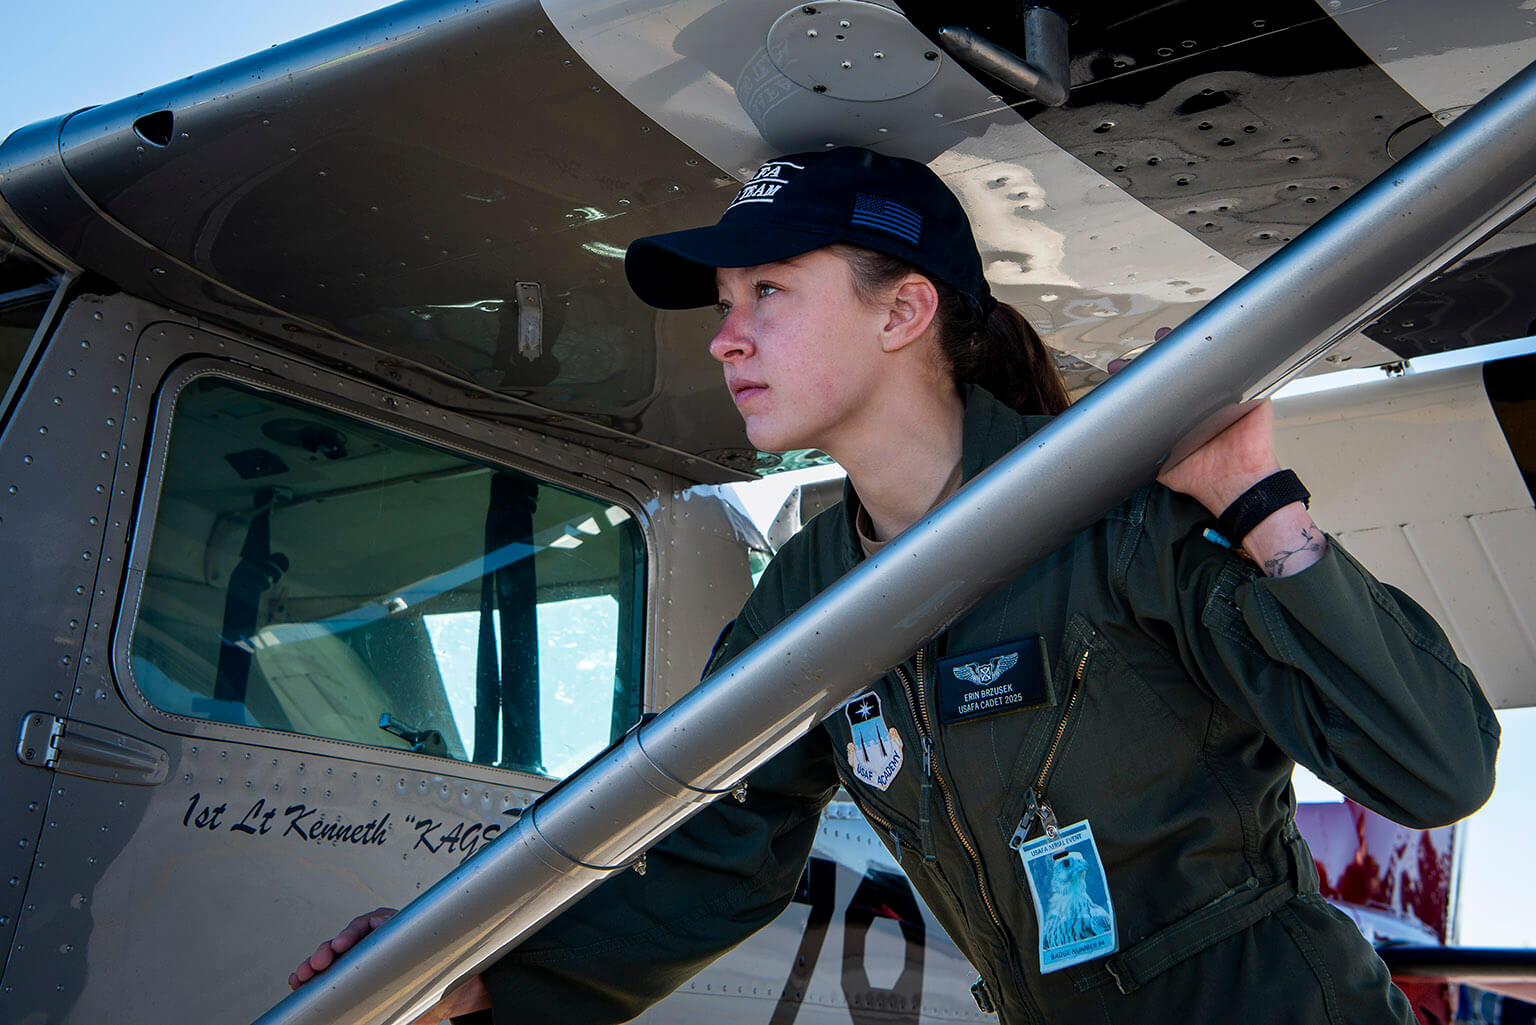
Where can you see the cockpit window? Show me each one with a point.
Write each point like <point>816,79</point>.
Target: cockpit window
<point>314,573</point>
<point>26,286</point>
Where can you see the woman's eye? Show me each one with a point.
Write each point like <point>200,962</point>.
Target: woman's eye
<point>722,309</point>
<point>764,290</point>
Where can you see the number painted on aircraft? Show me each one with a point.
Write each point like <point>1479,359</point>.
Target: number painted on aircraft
<point>818,888</point>
<point>880,894</point>
<point>883,894</point>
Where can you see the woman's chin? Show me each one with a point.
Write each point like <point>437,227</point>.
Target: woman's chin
<point>764,437</point>
<point>768,440</point>
<point>770,446</point>
<point>772,431</point>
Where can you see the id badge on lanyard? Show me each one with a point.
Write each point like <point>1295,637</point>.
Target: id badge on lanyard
<point>1071,895</point>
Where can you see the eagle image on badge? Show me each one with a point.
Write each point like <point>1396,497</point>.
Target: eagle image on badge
<point>874,754</point>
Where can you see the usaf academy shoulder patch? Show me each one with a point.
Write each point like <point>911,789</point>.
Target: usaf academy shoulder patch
<point>874,753</point>
<point>1004,678</point>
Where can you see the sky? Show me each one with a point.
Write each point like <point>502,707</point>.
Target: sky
<point>64,56</point>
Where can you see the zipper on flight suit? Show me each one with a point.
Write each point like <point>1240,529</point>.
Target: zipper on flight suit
<point>885,824</point>
<point>931,775</point>
<point>1035,804</point>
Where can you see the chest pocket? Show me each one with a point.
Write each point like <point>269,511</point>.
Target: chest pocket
<point>1119,755</point>
<point>1113,745</point>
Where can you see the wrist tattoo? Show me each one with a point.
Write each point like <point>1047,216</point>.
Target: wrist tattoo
<point>1311,541</point>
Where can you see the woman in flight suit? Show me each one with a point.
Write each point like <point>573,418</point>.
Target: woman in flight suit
<point>1087,777</point>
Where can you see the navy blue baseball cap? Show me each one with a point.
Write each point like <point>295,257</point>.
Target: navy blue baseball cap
<point>804,201</point>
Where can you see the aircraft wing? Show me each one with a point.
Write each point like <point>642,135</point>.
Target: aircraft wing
<point>390,187</point>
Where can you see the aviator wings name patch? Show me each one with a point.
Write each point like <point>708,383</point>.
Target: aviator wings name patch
<point>1004,678</point>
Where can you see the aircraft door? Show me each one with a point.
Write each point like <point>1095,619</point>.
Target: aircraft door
<point>51,508</point>
<point>329,652</point>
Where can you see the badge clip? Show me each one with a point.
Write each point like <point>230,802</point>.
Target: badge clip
<point>1035,808</point>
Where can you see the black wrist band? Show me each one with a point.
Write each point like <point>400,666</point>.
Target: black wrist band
<point>1255,505</point>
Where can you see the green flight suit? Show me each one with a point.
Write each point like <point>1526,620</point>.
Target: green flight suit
<point>1185,685</point>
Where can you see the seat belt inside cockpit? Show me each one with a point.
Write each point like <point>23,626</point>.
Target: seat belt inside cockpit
<point>258,569</point>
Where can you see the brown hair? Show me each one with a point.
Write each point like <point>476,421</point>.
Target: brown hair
<point>998,350</point>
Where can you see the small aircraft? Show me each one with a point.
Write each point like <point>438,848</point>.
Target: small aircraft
<point>351,501</point>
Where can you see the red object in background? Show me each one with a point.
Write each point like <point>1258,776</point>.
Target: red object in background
<point>1395,883</point>
<point>1367,863</point>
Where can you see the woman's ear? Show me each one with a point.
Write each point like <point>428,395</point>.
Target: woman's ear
<point>911,310</point>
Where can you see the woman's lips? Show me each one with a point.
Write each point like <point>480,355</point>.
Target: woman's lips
<point>742,391</point>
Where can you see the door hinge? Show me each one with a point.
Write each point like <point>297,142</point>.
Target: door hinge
<point>39,744</point>
<point>95,752</point>
<point>530,320</point>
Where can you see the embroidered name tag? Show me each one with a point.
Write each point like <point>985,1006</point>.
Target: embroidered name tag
<point>1005,678</point>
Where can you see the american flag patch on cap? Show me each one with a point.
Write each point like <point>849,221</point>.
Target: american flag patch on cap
<point>889,216</point>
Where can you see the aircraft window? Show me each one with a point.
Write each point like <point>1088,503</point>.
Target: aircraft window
<point>313,573</point>
<point>26,286</point>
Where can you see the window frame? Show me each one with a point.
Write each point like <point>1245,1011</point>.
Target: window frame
<point>141,534</point>
<point>63,282</point>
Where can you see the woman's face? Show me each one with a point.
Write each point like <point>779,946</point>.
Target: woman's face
<point>801,352</point>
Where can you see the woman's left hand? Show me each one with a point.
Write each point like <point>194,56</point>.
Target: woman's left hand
<point>1217,473</point>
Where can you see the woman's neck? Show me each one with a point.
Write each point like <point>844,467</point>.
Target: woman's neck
<point>901,470</point>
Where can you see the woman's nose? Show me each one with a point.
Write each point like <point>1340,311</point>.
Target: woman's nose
<point>731,341</point>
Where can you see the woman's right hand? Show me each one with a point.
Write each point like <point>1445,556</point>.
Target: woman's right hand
<point>326,953</point>
<point>470,995</point>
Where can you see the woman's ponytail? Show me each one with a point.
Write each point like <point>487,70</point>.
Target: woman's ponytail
<point>1002,353</point>
<point>996,349</point>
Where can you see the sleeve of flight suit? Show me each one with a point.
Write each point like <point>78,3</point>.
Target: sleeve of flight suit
<point>719,877</point>
<point>1350,677</point>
